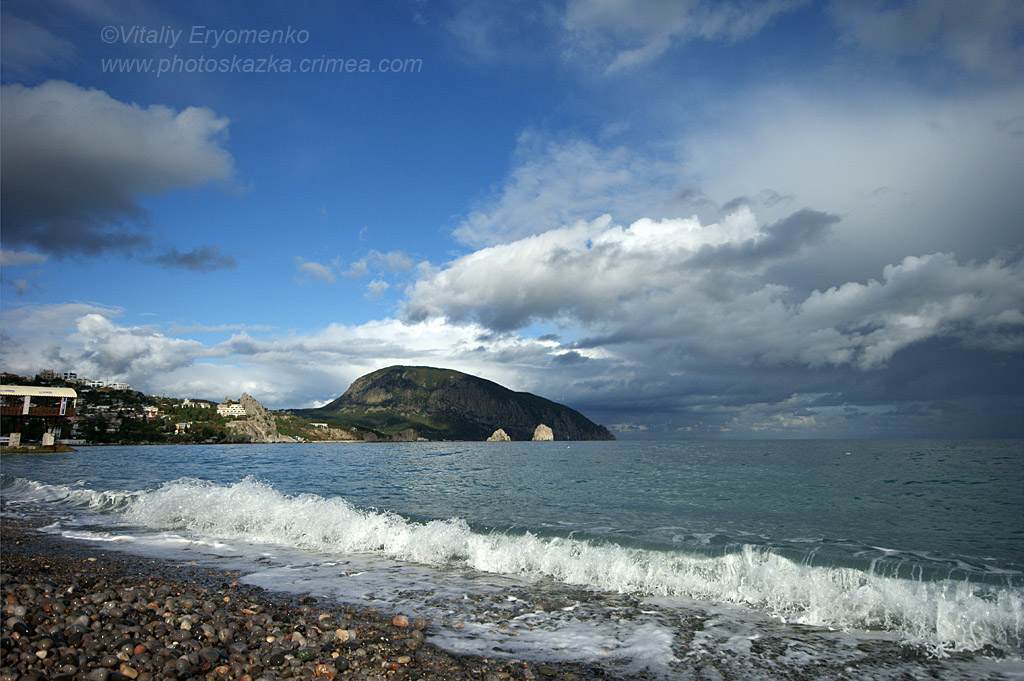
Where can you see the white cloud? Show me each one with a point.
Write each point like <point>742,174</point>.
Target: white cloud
<point>316,271</point>
<point>626,34</point>
<point>703,289</point>
<point>280,370</point>
<point>590,271</point>
<point>9,258</point>
<point>557,183</point>
<point>76,162</point>
<point>391,261</point>
<point>376,288</point>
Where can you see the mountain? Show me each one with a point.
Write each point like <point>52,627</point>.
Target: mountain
<point>443,404</point>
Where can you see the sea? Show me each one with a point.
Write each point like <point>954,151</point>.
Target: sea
<point>888,559</point>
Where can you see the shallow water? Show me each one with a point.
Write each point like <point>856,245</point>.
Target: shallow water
<point>635,554</point>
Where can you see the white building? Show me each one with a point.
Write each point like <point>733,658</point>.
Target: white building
<point>230,408</point>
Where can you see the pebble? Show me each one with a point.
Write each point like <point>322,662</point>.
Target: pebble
<point>113,617</point>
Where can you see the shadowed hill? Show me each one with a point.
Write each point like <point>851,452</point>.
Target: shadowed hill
<point>443,404</point>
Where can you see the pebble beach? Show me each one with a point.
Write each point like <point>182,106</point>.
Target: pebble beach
<point>75,613</point>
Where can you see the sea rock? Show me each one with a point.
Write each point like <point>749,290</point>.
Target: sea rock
<point>543,434</point>
<point>499,436</point>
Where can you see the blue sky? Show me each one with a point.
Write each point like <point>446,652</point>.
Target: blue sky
<point>683,218</point>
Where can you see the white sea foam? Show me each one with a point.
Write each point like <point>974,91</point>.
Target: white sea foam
<point>77,497</point>
<point>942,615</point>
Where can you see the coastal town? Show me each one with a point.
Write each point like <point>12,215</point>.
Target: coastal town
<point>104,412</point>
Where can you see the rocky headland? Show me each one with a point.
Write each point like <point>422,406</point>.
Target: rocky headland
<point>258,426</point>
<point>443,404</point>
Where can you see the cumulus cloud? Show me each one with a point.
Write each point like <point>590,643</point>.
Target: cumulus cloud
<point>589,271</point>
<point>376,288</point>
<point>391,261</point>
<point>76,162</point>
<point>281,370</point>
<point>703,290</point>
<point>709,376</point>
<point>635,33</point>
<point>315,270</point>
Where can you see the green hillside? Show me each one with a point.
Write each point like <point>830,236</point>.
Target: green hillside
<point>442,404</point>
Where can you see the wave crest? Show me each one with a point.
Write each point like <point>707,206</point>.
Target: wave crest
<point>942,615</point>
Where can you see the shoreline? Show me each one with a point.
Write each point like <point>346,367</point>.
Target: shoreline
<point>70,609</point>
<point>75,612</point>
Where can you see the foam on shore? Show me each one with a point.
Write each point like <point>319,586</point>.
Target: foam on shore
<point>941,615</point>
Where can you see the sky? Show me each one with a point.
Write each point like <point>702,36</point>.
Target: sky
<point>685,219</point>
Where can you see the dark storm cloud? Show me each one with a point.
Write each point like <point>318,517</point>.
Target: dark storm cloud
<point>76,163</point>
<point>201,259</point>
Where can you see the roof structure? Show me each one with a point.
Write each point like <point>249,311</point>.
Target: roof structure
<point>36,391</point>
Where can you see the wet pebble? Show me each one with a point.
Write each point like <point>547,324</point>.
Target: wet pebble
<point>101,618</point>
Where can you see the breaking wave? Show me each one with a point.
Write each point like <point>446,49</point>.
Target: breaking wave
<point>942,615</point>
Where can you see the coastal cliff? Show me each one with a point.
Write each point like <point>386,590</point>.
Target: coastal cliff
<point>443,404</point>
<point>258,426</point>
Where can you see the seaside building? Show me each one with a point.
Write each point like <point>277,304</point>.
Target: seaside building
<point>230,408</point>
<point>19,403</point>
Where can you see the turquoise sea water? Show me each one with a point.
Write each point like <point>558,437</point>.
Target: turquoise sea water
<point>917,543</point>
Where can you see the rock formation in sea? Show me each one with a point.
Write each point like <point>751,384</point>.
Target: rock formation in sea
<point>543,434</point>
<point>499,436</point>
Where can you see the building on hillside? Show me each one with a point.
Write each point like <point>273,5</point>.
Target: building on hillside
<point>321,426</point>
<point>201,404</point>
<point>230,408</point>
<point>119,386</point>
